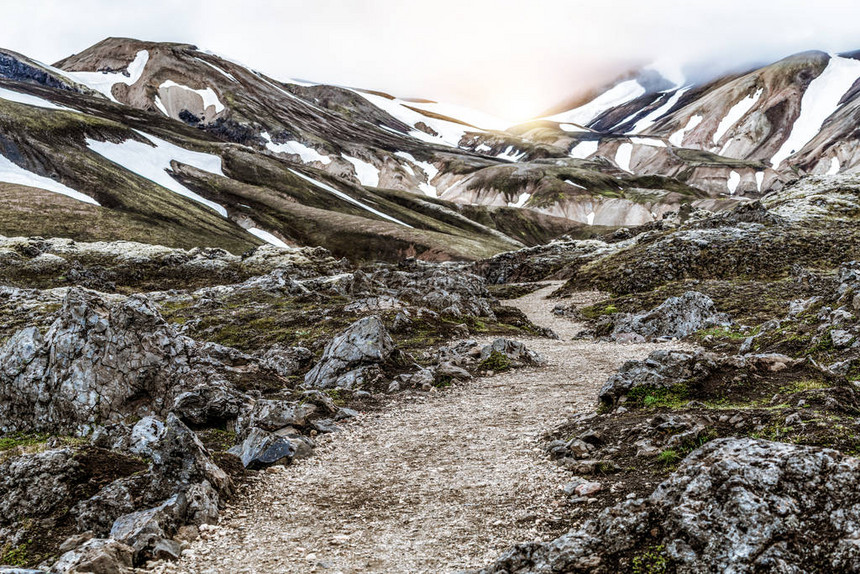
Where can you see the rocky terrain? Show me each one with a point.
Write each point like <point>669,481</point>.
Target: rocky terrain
<point>255,326</point>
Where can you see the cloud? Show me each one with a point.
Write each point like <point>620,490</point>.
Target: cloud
<point>510,57</point>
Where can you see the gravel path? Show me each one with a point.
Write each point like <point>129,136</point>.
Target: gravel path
<point>435,482</point>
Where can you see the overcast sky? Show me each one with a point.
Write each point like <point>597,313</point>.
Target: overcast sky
<point>514,58</point>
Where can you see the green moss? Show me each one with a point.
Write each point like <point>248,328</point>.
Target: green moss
<point>21,439</point>
<point>496,362</point>
<point>17,556</point>
<point>653,397</point>
<point>669,457</point>
<point>652,561</point>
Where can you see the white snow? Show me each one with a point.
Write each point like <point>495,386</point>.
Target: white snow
<point>103,82</point>
<point>266,236</point>
<point>590,220</point>
<point>653,142</point>
<point>152,163</point>
<point>677,138</point>
<point>160,106</point>
<point>759,179</point>
<point>568,182</point>
<point>584,149</point>
<point>307,154</point>
<point>36,101</point>
<point>616,96</point>
<point>223,73</point>
<point>572,128</point>
<point>521,201</point>
<point>429,169</point>
<point>733,181</point>
<point>367,173</point>
<point>737,111</point>
<point>483,148</point>
<point>834,166</point>
<point>210,98</point>
<point>467,115</point>
<point>819,102</point>
<point>510,154</point>
<point>346,197</point>
<point>622,156</point>
<point>13,173</point>
<point>450,133</point>
<point>651,118</point>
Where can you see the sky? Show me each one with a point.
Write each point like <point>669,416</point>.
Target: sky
<point>512,58</point>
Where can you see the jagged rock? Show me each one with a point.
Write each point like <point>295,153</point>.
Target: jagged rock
<point>514,351</point>
<point>345,359</point>
<point>144,529</point>
<point>676,317</point>
<point>97,556</point>
<point>103,361</point>
<point>734,505</point>
<point>286,361</point>
<point>273,414</point>
<point>261,449</point>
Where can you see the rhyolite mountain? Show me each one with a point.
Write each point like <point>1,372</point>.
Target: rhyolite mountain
<point>166,143</point>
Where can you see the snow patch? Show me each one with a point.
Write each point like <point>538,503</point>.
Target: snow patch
<point>472,117</point>
<point>307,154</point>
<point>511,154</point>
<point>210,98</point>
<point>572,128</point>
<point>367,173</point>
<point>266,236</point>
<point>759,179</point>
<point>450,133</point>
<point>737,111</point>
<point>222,72</point>
<point>430,171</point>
<point>819,102</point>
<point>574,184</point>
<point>590,219</point>
<point>651,118</point>
<point>521,201</point>
<point>584,149</point>
<point>834,166</point>
<point>616,96</point>
<point>677,138</point>
<point>346,197</point>
<point>653,142</point>
<point>36,101</point>
<point>622,156</point>
<point>733,181</point>
<point>104,81</point>
<point>13,173</point>
<point>160,106</point>
<point>152,163</point>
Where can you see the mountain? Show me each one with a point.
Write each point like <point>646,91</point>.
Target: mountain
<point>166,143</point>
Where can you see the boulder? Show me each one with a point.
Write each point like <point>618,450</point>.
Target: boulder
<point>676,317</point>
<point>97,556</point>
<point>143,530</point>
<point>261,449</point>
<point>516,353</point>
<point>734,505</point>
<point>345,359</point>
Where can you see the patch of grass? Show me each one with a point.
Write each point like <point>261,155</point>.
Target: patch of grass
<point>669,457</point>
<point>496,362</point>
<point>804,385</point>
<point>17,556</point>
<point>652,561</point>
<point>651,397</point>
<point>21,439</point>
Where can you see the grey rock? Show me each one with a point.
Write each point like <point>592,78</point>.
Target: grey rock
<point>676,317</point>
<point>515,351</point>
<point>286,361</point>
<point>364,343</point>
<point>143,530</point>
<point>97,556</point>
<point>734,505</point>
<point>273,414</point>
<point>841,338</point>
<point>261,449</point>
